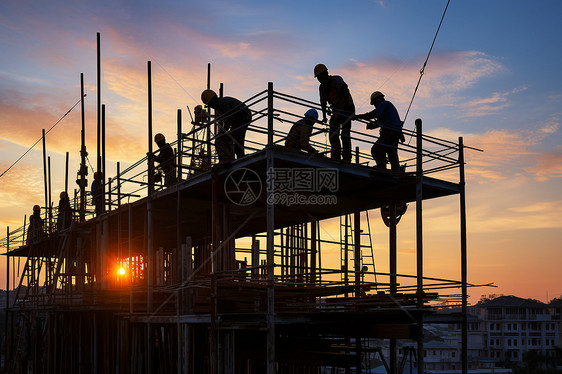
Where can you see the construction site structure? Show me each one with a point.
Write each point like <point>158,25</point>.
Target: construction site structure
<point>226,271</point>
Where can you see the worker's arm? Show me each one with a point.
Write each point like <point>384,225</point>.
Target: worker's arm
<point>323,102</point>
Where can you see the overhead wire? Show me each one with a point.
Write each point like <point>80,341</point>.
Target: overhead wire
<point>422,70</point>
<point>34,144</point>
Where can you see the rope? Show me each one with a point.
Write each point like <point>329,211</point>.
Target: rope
<point>34,144</point>
<point>175,80</point>
<point>426,60</point>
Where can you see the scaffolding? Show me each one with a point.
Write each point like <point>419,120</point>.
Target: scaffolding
<point>198,277</point>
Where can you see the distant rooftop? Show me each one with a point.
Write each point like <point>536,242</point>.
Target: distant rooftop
<point>513,301</point>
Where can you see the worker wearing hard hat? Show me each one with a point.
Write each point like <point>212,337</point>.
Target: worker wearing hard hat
<point>233,117</point>
<point>35,229</point>
<point>97,193</point>
<point>166,159</point>
<point>299,135</point>
<point>64,212</point>
<point>334,91</point>
<point>387,118</point>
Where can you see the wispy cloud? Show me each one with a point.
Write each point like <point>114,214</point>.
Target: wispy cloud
<point>547,166</point>
<point>447,73</point>
<point>486,106</point>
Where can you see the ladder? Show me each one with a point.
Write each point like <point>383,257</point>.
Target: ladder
<point>347,248</point>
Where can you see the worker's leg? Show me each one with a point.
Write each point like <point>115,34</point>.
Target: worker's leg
<point>224,147</point>
<point>239,136</point>
<point>378,151</point>
<point>335,151</point>
<point>392,151</point>
<point>346,140</point>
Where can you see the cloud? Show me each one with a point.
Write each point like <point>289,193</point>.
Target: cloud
<point>446,74</point>
<point>486,106</point>
<point>547,166</point>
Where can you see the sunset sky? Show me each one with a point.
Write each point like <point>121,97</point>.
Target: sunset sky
<point>494,77</point>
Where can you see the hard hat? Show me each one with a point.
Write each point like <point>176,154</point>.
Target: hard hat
<point>374,95</point>
<point>312,113</point>
<point>207,96</point>
<point>36,207</point>
<point>318,69</point>
<point>159,137</point>
<point>62,195</point>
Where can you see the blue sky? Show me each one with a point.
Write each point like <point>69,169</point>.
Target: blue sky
<point>494,78</point>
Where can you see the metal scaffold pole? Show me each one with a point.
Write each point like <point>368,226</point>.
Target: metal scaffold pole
<point>464,277</point>
<point>419,239</point>
<point>270,244</point>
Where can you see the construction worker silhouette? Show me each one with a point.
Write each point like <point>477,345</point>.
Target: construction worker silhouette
<point>201,116</point>
<point>387,118</point>
<point>334,91</point>
<point>35,229</point>
<point>166,159</point>
<point>299,135</point>
<point>97,193</point>
<point>65,212</point>
<point>233,117</point>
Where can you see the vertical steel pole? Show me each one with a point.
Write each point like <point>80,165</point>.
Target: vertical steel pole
<point>180,148</point>
<point>50,206</point>
<point>208,130</point>
<point>98,158</point>
<point>45,174</point>
<point>393,346</point>
<point>66,176</point>
<point>83,154</point>
<point>269,113</point>
<point>464,261</point>
<point>419,238</point>
<point>150,156</point>
<point>103,174</point>
<point>7,346</point>
<point>270,356</point>
<point>270,263</point>
<point>215,246</point>
<point>150,223</point>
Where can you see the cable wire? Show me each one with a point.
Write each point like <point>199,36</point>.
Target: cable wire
<point>426,60</point>
<point>34,144</point>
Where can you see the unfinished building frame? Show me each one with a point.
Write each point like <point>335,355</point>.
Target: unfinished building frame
<point>225,271</point>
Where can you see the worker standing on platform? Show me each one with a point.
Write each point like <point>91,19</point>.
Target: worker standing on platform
<point>35,230</point>
<point>97,193</point>
<point>387,118</point>
<point>334,91</point>
<point>166,159</point>
<point>234,118</point>
<point>299,135</point>
<point>65,212</point>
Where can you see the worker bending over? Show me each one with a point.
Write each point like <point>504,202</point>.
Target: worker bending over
<point>233,117</point>
<point>299,135</point>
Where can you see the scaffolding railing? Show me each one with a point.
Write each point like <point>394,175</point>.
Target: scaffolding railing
<point>131,184</point>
